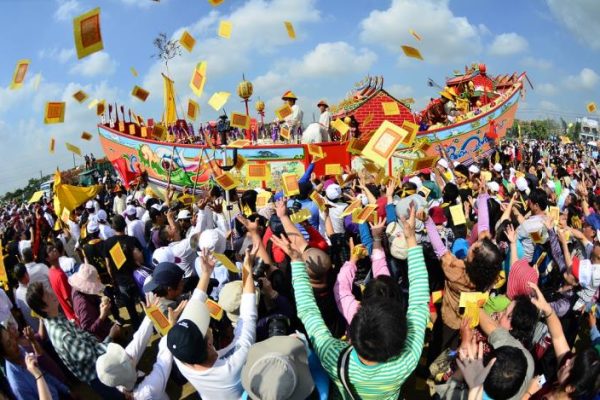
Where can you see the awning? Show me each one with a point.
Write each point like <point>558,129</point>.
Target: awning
<point>36,196</point>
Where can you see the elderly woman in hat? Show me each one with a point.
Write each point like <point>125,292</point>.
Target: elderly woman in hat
<point>91,309</point>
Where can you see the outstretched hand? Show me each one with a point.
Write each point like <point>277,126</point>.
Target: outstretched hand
<point>288,247</point>
<point>470,363</point>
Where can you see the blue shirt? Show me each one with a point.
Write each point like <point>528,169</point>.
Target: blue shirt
<point>24,386</point>
<point>314,214</point>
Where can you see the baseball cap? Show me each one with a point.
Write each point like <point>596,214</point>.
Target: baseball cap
<point>498,167</point>
<point>185,339</point>
<point>165,274</point>
<point>184,214</point>
<point>114,368</point>
<point>89,204</point>
<point>213,240</point>
<point>102,216</point>
<point>130,210</point>
<point>333,191</point>
<point>163,254</point>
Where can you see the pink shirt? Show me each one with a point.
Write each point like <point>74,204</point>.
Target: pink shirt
<point>342,290</point>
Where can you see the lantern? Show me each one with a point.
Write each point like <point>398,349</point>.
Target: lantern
<point>244,89</point>
<point>260,106</point>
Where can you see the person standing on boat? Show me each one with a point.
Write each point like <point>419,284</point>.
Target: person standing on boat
<point>324,120</point>
<point>294,120</point>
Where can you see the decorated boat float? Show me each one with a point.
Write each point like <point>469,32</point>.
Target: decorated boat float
<point>473,111</point>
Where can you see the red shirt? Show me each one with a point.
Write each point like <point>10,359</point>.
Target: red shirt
<point>62,289</point>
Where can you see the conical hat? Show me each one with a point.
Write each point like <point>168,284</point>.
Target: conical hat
<point>289,95</point>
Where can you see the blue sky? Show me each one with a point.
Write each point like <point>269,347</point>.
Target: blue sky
<point>338,43</point>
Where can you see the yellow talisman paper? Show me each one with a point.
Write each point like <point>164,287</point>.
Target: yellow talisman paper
<point>262,200</point>
<point>187,41</point>
<point>300,216</point>
<point>390,108</point>
<point>355,205</point>
<point>80,96</point>
<point>472,313</point>
<point>240,162</point>
<point>117,255</point>
<point>315,150</point>
<point>436,297</point>
<point>160,322</point>
<point>479,298</point>
<point>239,120</point>
<point>424,191</point>
<point>133,72</point>
<point>591,107</point>
<point>54,112</point>
<point>414,34</point>
<point>285,133</point>
<point>458,214</point>
<point>412,52</point>
<point>536,236</point>
<point>199,79</point>
<point>92,104</point>
<point>366,213</point>
<point>19,75</point>
<point>215,3</point>
<point>226,262</point>
<point>290,184</point>
<point>193,110</point>
<point>333,169</point>
<point>52,145</point>
<point>218,100</point>
<point>355,146</point>
<point>86,30</point>
<point>319,200</point>
<point>486,176</point>
<point>283,112</point>
<point>3,274</point>
<point>427,162</point>
<point>140,93</point>
<point>240,143</point>
<point>86,136</point>
<point>36,81</point>
<point>412,130</point>
<point>214,309</point>
<point>554,213</point>
<point>225,28</point>
<point>227,181</point>
<point>340,126</point>
<point>258,172</point>
<point>100,107</point>
<point>73,149</point>
<point>383,143</point>
<point>290,29</point>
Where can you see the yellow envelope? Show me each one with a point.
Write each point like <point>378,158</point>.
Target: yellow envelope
<point>117,255</point>
<point>19,74</point>
<point>226,262</point>
<point>160,322</point>
<point>198,79</point>
<point>86,30</point>
<point>290,29</point>
<point>193,110</point>
<point>390,108</point>
<point>187,41</point>
<point>458,214</point>
<point>225,29</point>
<point>412,52</point>
<point>218,100</point>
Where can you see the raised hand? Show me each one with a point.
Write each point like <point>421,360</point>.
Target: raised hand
<point>173,315</point>
<point>539,300</point>
<point>510,233</point>
<point>470,362</point>
<point>281,208</point>
<point>408,224</point>
<point>356,251</point>
<point>207,262</point>
<point>378,228</point>
<point>288,247</point>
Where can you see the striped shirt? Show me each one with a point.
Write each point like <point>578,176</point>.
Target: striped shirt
<point>383,380</point>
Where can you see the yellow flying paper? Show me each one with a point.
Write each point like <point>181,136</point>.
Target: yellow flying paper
<point>140,93</point>
<point>333,169</point>
<point>198,78</point>
<point>73,149</point>
<point>591,107</point>
<point>478,298</point>
<point>100,106</point>
<point>86,30</point>
<point>412,52</point>
<point>193,109</point>
<point>290,184</point>
<point>86,136</point>
<point>187,41</point>
<point>225,29</point>
<point>340,126</point>
<point>226,262</point>
<point>290,29</point>
<point>80,96</point>
<point>414,34</point>
<point>218,100</point>
<point>262,200</point>
<point>390,108</point>
<point>384,142</point>
<point>93,103</point>
<point>19,74</point>
<point>52,145</point>
<point>215,3</point>
<point>239,120</point>
<point>258,172</point>
<point>54,112</point>
<point>133,72</point>
<point>300,216</point>
<point>227,181</point>
<point>285,133</point>
<point>117,255</point>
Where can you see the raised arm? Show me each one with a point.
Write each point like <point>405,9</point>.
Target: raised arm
<point>342,289</point>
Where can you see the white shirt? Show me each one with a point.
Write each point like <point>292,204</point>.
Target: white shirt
<point>135,228</point>
<point>38,273</point>
<point>21,303</point>
<point>223,380</point>
<point>75,230</point>
<point>106,231</point>
<point>187,256</point>
<point>294,120</point>
<point>6,306</point>
<point>325,122</point>
<point>119,205</point>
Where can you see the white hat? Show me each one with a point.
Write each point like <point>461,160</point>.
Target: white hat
<point>92,226</point>
<point>213,240</point>
<point>522,184</point>
<point>159,207</point>
<point>498,167</point>
<point>115,368</point>
<point>101,216</point>
<point>184,214</point>
<point>493,186</point>
<point>162,254</point>
<point>130,210</point>
<point>89,204</point>
<point>443,163</point>
<point>417,181</point>
<point>473,169</point>
<point>333,191</point>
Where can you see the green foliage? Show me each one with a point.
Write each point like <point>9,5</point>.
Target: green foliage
<point>26,192</point>
<point>538,129</point>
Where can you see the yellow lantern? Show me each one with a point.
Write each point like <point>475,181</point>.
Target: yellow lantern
<point>244,89</point>
<point>260,106</point>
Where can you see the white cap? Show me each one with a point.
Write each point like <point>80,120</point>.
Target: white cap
<point>333,191</point>
<point>114,368</point>
<point>498,167</point>
<point>493,186</point>
<point>417,181</point>
<point>473,169</point>
<point>162,254</point>
<point>130,210</point>
<point>89,204</point>
<point>522,184</point>
<point>213,240</point>
<point>443,163</point>
<point>184,214</point>
<point>101,216</point>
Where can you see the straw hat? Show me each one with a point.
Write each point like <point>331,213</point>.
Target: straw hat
<point>86,280</point>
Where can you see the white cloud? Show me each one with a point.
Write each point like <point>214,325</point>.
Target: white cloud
<point>507,44</point>
<point>547,89</point>
<point>538,63</point>
<point>586,79</point>
<point>446,38</point>
<point>580,17</point>
<point>142,3</point>
<point>400,91</point>
<point>60,55</point>
<point>99,63</point>
<point>334,59</point>
<point>546,105</point>
<point>67,9</point>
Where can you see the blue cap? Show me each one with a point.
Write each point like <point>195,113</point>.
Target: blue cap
<point>460,248</point>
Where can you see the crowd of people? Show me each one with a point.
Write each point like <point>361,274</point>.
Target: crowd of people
<point>481,280</point>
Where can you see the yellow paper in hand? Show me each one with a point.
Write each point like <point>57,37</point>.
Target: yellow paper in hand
<point>262,200</point>
<point>290,184</point>
<point>390,108</point>
<point>258,172</point>
<point>86,30</point>
<point>19,74</point>
<point>458,214</point>
<point>300,216</point>
<point>198,78</point>
<point>412,52</point>
<point>355,205</point>
<point>226,262</point>
<point>333,169</point>
<point>218,100</point>
<point>187,41</point>
<point>472,313</point>
<point>117,255</point>
<point>283,112</point>
<point>318,200</point>
<point>479,298</point>
<point>215,310</point>
<point>315,150</point>
<point>290,29</point>
<point>225,29</point>
<point>160,322</point>
<point>486,175</point>
<point>436,297</point>
<point>554,213</point>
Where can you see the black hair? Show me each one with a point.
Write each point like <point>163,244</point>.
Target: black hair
<point>450,193</point>
<point>494,212</point>
<point>507,374</point>
<point>215,191</point>
<point>27,255</point>
<point>374,189</point>
<point>249,199</point>
<point>384,287</point>
<point>35,298</point>
<point>20,271</point>
<point>118,223</point>
<point>585,375</point>
<point>484,267</point>
<point>150,202</point>
<point>58,244</point>
<point>378,330</point>
<point>462,169</point>
<point>524,318</point>
<point>539,197</point>
<point>306,188</point>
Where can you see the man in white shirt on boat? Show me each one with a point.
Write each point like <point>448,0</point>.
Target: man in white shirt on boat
<point>294,120</point>
<point>324,119</point>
